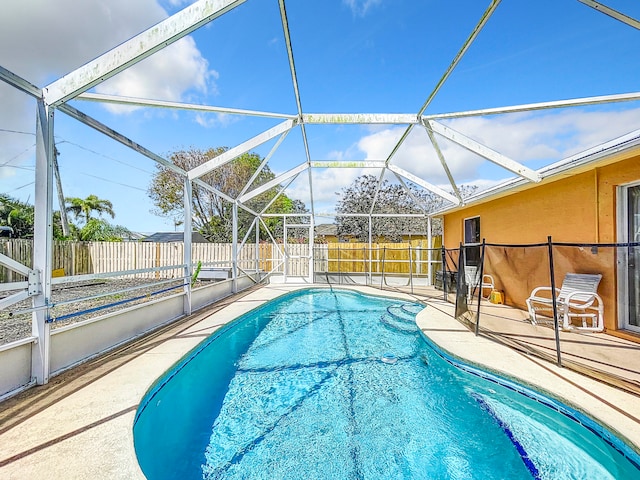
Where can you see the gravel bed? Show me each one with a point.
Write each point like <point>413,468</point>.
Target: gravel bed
<point>15,325</point>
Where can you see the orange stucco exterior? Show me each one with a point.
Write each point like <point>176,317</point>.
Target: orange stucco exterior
<point>575,207</point>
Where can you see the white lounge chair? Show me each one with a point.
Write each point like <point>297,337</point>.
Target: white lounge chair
<point>577,299</point>
<point>472,279</point>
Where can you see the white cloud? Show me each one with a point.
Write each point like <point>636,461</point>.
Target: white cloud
<point>361,7</point>
<point>166,75</point>
<point>178,3</point>
<point>524,137</point>
<point>41,40</point>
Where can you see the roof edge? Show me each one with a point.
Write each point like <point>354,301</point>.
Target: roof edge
<point>624,143</point>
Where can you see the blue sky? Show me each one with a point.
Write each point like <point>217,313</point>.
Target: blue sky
<point>351,56</point>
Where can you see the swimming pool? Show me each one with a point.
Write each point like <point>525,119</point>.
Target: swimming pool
<point>334,384</point>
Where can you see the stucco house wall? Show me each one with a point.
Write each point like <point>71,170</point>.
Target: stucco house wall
<point>574,207</point>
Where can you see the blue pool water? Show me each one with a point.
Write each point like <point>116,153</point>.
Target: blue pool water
<point>331,384</point>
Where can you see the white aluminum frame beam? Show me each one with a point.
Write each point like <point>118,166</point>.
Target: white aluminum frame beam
<point>13,299</point>
<point>465,46</point>
<point>381,215</point>
<point>360,118</point>
<point>264,163</point>
<point>146,102</point>
<point>483,151</point>
<point>443,162</point>
<point>241,149</point>
<point>296,91</point>
<point>283,215</point>
<point>109,132</point>
<point>136,49</point>
<point>280,192</point>
<point>43,242</point>
<point>187,240</point>
<point>346,164</point>
<point>632,22</point>
<point>20,83</point>
<point>11,264</point>
<point>574,102</point>
<point>336,215</point>
<point>418,202</point>
<point>424,184</point>
<point>273,183</point>
<point>100,127</point>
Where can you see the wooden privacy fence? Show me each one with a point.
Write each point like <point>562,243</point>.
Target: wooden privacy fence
<point>79,258</point>
<point>393,258</point>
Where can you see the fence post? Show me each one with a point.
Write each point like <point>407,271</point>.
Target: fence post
<point>339,272</point>
<point>554,302</point>
<point>364,264</point>
<point>384,256</point>
<point>411,267</point>
<point>480,292</point>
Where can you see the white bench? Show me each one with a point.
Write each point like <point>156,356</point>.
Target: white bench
<point>215,273</point>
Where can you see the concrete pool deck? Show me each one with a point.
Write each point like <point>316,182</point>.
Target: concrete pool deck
<point>80,424</point>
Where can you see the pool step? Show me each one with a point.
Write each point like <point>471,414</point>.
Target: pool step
<point>412,308</point>
<point>394,323</point>
<point>400,313</point>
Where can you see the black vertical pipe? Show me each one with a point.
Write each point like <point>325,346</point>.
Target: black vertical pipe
<point>480,292</point>
<point>554,302</point>
<point>459,284</point>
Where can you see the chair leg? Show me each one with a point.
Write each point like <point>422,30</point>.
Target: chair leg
<point>532,313</point>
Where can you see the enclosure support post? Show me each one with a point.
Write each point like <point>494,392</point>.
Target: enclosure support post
<point>256,222</point>
<point>370,257</point>
<point>339,271</point>
<point>285,249</point>
<point>384,256</point>
<point>556,327</point>
<point>411,266</point>
<point>42,244</point>
<point>188,247</point>
<point>429,253</point>
<point>234,249</point>
<point>312,273</point>
<point>364,264</point>
<point>480,292</point>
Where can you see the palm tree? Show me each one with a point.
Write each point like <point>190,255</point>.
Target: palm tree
<point>17,215</point>
<point>99,230</point>
<point>82,208</point>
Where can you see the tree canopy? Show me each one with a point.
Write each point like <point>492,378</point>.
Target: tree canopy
<point>213,215</point>
<point>17,215</point>
<point>20,216</point>
<point>83,207</point>
<point>389,199</point>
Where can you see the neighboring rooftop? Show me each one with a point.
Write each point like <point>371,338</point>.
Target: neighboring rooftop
<point>166,237</point>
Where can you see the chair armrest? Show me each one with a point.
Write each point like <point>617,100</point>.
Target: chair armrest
<point>571,302</point>
<point>534,294</point>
